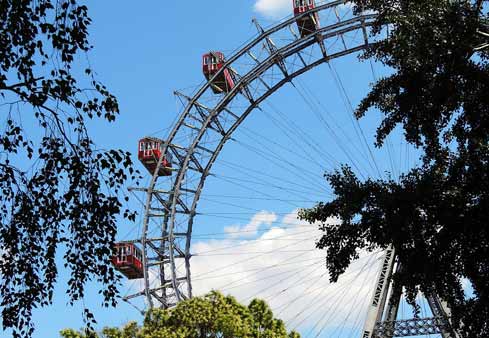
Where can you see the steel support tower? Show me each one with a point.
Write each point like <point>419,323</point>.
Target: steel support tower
<point>382,320</point>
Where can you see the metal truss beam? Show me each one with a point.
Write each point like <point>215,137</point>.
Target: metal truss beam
<point>272,49</point>
<point>379,297</point>
<point>411,327</point>
<point>203,111</point>
<point>484,45</point>
<point>245,89</point>
<point>254,58</point>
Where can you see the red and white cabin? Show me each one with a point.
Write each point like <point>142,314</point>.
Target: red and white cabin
<point>150,149</point>
<point>212,62</point>
<point>128,260</point>
<point>307,24</point>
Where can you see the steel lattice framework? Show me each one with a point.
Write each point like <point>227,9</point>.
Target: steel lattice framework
<point>381,321</point>
<point>261,67</point>
<point>412,327</point>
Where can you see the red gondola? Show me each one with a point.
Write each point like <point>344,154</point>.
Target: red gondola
<point>128,260</point>
<point>149,153</point>
<point>212,62</point>
<point>307,24</point>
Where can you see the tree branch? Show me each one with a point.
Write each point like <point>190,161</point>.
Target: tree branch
<point>20,84</point>
<point>58,122</point>
<point>60,126</point>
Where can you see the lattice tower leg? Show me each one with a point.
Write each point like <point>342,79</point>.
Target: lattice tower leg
<point>379,297</point>
<point>164,234</point>
<point>441,309</point>
<point>382,320</point>
<point>393,305</point>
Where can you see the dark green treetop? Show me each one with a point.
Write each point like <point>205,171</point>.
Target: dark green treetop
<point>436,216</point>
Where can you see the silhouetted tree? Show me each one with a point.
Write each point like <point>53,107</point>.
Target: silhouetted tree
<point>436,216</point>
<point>56,187</point>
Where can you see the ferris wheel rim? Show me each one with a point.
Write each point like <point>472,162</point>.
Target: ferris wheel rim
<point>299,44</point>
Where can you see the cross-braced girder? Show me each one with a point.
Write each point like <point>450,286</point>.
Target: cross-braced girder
<point>412,327</point>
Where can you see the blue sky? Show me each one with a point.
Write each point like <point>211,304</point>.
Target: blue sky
<point>143,53</point>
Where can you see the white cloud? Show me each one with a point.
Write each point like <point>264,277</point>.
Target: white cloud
<point>283,266</point>
<point>250,229</point>
<point>273,8</point>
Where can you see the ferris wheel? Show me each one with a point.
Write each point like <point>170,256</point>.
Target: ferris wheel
<point>181,163</point>
<point>168,209</point>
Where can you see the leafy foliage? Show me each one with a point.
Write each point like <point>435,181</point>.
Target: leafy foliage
<point>435,215</point>
<point>212,315</point>
<point>56,187</point>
